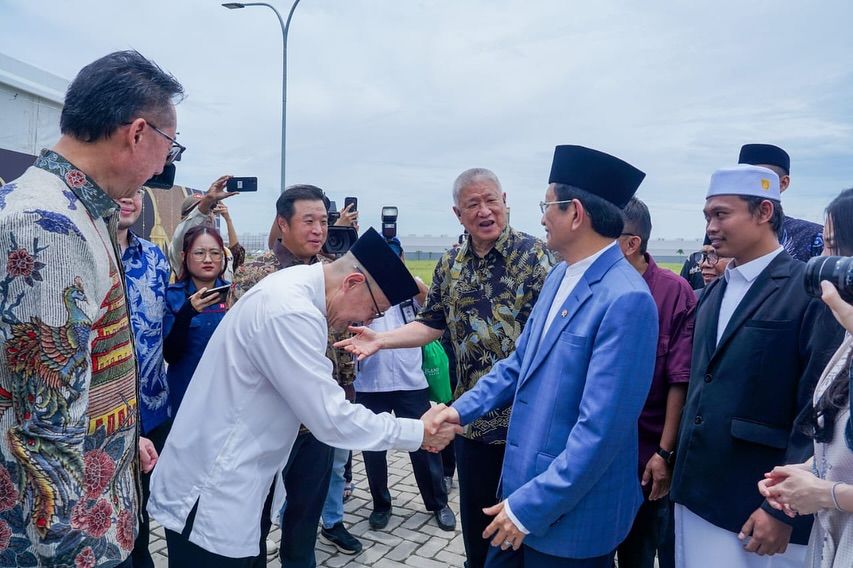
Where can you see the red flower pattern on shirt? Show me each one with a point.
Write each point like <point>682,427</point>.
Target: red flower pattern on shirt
<point>86,558</point>
<point>75,178</point>
<point>98,470</point>
<point>8,491</point>
<point>5,535</point>
<point>99,518</point>
<point>124,530</point>
<point>20,263</point>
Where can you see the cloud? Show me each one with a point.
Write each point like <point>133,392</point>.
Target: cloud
<point>390,100</point>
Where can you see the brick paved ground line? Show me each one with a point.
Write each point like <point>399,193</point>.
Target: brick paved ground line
<point>411,539</point>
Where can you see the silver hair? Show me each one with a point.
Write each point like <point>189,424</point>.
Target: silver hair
<point>468,177</point>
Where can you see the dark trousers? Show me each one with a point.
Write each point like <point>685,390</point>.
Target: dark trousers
<point>140,555</point>
<point>306,480</point>
<point>647,536</point>
<point>448,460</point>
<point>479,469</point>
<point>426,466</point>
<point>526,557</point>
<point>183,553</point>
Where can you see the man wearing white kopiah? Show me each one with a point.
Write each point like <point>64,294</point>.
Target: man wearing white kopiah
<point>263,373</point>
<point>759,345</point>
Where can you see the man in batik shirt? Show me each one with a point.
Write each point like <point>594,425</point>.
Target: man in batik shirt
<point>482,293</point>
<point>146,277</point>
<point>69,429</point>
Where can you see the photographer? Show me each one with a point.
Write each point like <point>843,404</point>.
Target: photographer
<point>823,485</point>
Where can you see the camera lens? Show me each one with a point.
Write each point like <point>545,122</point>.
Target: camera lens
<point>837,270</point>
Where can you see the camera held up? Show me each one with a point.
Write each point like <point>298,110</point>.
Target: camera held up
<point>837,270</point>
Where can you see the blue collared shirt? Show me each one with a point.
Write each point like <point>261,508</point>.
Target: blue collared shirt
<point>146,278</point>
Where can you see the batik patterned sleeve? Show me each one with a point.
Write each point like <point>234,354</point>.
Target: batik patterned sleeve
<point>433,312</point>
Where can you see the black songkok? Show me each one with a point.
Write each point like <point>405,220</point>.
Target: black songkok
<point>598,173</point>
<point>765,155</point>
<point>385,267</point>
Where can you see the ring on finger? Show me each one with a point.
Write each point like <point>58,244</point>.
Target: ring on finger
<point>506,544</point>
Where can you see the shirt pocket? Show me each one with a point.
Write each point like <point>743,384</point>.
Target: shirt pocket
<point>759,433</point>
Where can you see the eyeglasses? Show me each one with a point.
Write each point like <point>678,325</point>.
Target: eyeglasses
<point>175,151</point>
<point>628,235</point>
<point>379,313</point>
<point>543,205</point>
<point>201,254</point>
<point>701,256</point>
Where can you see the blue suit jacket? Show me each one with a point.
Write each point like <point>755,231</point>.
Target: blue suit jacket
<point>570,469</point>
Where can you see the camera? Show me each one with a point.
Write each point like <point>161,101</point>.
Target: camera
<point>389,222</point>
<point>339,239</point>
<point>837,270</point>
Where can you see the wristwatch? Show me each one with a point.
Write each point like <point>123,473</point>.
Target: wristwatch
<point>668,457</point>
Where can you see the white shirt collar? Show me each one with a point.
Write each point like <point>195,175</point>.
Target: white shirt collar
<point>749,271</point>
<point>582,265</point>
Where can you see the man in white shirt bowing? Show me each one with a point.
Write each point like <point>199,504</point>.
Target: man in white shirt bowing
<point>263,373</point>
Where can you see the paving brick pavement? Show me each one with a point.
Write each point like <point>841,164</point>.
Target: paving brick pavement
<point>412,538</point>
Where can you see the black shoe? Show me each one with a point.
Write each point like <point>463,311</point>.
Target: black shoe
<point>447,483</point>
<point>379,519</point>
<point>446,519</point>
<point>339,537</point>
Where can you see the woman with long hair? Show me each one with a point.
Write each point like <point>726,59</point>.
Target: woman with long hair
<point>823,485</point>
<point>192,313</point>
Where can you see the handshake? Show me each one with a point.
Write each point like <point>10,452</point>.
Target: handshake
<point>441,424</point>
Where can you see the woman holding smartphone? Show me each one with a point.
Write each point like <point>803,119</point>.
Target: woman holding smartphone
<point>195,304</point>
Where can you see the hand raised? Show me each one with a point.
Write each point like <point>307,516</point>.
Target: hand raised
<point>363,343</point>
<point>842,311</point>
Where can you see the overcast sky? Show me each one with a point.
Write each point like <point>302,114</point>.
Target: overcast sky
<point>389,100</point>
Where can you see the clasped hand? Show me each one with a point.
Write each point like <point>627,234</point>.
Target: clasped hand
<point>441,424</point>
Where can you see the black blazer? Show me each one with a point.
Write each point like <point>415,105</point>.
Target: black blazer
<point>745,394</point>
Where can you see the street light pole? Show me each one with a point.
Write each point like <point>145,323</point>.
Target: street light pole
<point>285,28</point>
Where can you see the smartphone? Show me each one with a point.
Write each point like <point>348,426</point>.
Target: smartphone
<point>242,184</point>
<point>221,290</point>
<point>353,201</point>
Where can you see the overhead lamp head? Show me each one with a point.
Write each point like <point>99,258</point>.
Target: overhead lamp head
<point>234,5</point>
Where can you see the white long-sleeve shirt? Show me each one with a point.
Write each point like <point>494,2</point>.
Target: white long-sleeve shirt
<point>263,373</point>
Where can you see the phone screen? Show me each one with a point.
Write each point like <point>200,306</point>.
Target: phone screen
<point>353,200</point>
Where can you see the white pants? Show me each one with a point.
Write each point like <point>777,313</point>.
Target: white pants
<point>700,544</point>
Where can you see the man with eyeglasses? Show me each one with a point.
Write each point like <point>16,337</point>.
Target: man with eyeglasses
<point>301,221</point>
<point>577,380</point>
<point>70,445</point>
<point>234,435</point>
<point>483,293</point>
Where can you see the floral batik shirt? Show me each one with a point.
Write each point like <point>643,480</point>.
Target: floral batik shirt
<point>146,271</point>
<point>484,304</point>
<point>68,423</point>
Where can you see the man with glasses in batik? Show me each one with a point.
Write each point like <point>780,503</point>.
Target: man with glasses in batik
<point>70,447</point>
<point>483,293</point>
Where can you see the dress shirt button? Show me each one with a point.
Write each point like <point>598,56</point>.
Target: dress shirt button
<point>708,377</point>
<point>697,420</point>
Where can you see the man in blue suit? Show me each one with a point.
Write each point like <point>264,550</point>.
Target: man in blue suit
<point>577,380</point>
